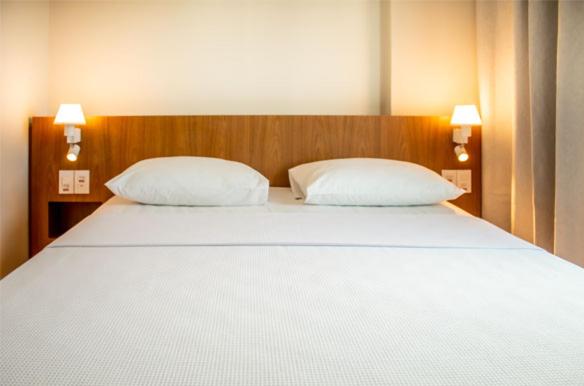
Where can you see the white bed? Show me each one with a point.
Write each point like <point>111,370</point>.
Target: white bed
<point>291,294</point>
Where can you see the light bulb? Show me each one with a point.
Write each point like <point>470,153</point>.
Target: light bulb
<point>73,152</point>
<point>463,157</point>
<point>461,153</point>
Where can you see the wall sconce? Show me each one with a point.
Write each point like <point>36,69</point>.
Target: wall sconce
<point>464,116</point>
<point>71,115</point>
<point>461,153</point>
<point>73,152</point>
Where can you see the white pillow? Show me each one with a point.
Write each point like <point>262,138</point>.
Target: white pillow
<point>369,182</point>
<point>196,181</point>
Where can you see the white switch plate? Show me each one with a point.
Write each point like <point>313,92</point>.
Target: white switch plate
<point>461,178</point>
<point>450,175</point>
<point>81,181</point>
<point>464,180</point>
<point>66,181</point>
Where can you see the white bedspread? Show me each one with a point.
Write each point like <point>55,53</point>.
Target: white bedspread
<point>291,295</point>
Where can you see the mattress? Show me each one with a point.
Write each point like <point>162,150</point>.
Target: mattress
<point>291,294</point>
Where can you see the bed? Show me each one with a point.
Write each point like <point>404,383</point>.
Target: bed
<point>291,294</point>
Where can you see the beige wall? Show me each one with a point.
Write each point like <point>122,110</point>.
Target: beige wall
<point>433,56</point>
<point>268,57</point>
<point>24,93</point>
<point>216,57</point>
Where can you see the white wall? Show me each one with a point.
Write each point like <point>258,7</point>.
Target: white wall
<point>433,56</point>
<point>253,57</point>
<point>216,57</point>
<point>263,57</point>
<point>24,93</point>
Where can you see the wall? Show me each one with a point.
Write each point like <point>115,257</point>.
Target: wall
<point>433,56</point>
<point>216,57</point>
<point>24,93</point>
<point>268,57</point>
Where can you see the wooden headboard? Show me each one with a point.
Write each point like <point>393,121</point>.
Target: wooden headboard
<point>270,144</point>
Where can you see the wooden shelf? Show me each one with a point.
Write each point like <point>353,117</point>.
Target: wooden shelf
<point>65,215</point>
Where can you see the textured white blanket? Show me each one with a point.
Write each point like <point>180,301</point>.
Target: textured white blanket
<point>226,305</point>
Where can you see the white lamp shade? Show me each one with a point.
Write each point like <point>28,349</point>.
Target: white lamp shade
<point>70,114</point>
<point>465,115</point>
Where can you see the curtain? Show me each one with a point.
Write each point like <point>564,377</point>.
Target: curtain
<point>531,88</point>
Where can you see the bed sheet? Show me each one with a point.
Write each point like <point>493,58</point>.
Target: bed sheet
<point>426,299</point>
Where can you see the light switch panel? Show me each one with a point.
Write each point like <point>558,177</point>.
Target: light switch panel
<point>450,175</point>
<point>66,181</point>
<point>461,178</point>
<point>81,181</point>
<point>464,179</point>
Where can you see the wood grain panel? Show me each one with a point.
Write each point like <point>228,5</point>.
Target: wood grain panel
<point>270,144</point>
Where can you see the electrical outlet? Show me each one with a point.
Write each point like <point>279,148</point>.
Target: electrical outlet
<point>450,175</point>
<point>464,180</point>
<point>66,182</point>
<point>81,181</point>
<point>461,178</point>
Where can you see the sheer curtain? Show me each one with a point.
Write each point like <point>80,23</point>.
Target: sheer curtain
<point>531,86</point>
